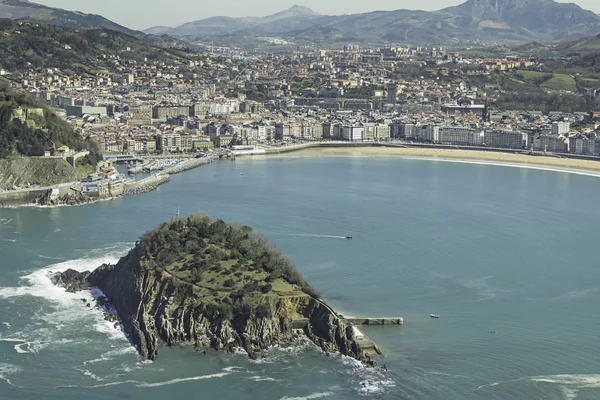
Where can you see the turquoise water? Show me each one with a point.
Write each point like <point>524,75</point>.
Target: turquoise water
<point>489,248</point>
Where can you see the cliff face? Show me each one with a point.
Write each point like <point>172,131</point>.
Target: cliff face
<point>154,308</point>
<point>19,171</point>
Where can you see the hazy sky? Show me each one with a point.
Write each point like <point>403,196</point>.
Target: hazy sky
<point>141,14</point>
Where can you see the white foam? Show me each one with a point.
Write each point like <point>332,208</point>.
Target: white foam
<point>19,349</point>
<point>231,369</point>
<point>110,355</point>
<point>179,380</point>
<point>370,380</point>
<point>257,378</point>
<point>571,384</point>
<point>316,395</point>
<point>10,340</point>
<point>578,380</point>
<point>7,370</point>
<point>10,240</point>
<point>62,310</point>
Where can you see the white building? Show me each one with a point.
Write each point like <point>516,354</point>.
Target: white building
<point>458,135</point>
<point>560,128</point>
<point>505,139</point>
<point>353,133</point>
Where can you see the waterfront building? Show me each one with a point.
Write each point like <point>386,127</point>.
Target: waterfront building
<point>550,143</point>
<point>169,142</point>
<point>353,133</point>
<point>505,139</point>
<point>462,136</point>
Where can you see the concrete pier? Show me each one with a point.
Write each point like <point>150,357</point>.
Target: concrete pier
<point>368,345</point>
<point>376,321</point>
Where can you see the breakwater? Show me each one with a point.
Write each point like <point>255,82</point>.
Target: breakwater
<point>189,164</point>
<point>146,185</point>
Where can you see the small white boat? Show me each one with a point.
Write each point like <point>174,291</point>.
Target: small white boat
<point>434,315</point>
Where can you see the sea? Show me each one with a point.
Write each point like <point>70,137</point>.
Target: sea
<point>507,256</point>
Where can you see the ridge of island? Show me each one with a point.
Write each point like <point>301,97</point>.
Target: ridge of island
<point>209,283</point>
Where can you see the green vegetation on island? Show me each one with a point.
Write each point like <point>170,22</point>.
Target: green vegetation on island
<point>209,283</point>
<point>229,266</point>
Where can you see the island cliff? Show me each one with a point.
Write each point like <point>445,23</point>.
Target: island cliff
<point>212,284</point>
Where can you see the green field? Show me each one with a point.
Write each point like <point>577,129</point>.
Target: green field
<point>561,82</point>
<point>557,82</point>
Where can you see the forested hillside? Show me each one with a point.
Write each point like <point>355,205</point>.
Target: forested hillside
<point>30,134</point>
<point>25,45</point>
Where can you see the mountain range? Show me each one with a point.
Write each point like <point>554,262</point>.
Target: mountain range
<point>470,23</point>
<point>494,21</point>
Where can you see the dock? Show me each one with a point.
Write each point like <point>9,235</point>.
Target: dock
<point>368,345</point>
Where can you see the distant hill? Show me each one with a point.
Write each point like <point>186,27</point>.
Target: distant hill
<point>36,45</point>
<point>289,19</point>
<point>590,43</point>
<point>25,10</point>
<point>474,21</point>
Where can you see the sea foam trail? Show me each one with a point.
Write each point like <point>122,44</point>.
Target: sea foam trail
<point>179,380</point>
<point>310,396</point>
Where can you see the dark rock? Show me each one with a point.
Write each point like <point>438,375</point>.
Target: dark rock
<point>73,281</point>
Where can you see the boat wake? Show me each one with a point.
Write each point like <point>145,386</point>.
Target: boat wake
<point>312,235</point>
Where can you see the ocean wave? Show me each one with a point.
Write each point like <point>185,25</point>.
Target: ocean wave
<point>365,380</point>
<point>62,317</point>
<point>570,385</point>
<point>316,395</point>
<point>110,355</point>
<point>6,370</point>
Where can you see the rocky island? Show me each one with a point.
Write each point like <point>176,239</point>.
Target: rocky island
<point>209,283</point>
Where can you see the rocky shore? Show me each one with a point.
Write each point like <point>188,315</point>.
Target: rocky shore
<point>155,305</point>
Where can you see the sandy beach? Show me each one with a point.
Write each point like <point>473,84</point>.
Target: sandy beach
<point>508,159</point>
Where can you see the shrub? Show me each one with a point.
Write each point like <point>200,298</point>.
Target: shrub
<point>229,283</point>
<point>263,311</point>
<point>266,288</point>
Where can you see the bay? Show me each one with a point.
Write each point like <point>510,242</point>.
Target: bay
<point>489,248</point>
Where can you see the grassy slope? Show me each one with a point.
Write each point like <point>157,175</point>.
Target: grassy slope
<point>216,267</point>
<point>558,81</point>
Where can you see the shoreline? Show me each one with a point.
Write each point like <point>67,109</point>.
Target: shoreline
<point>546,163</point>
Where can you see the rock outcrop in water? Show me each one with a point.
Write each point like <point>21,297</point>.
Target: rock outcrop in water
<point>211,284</point>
